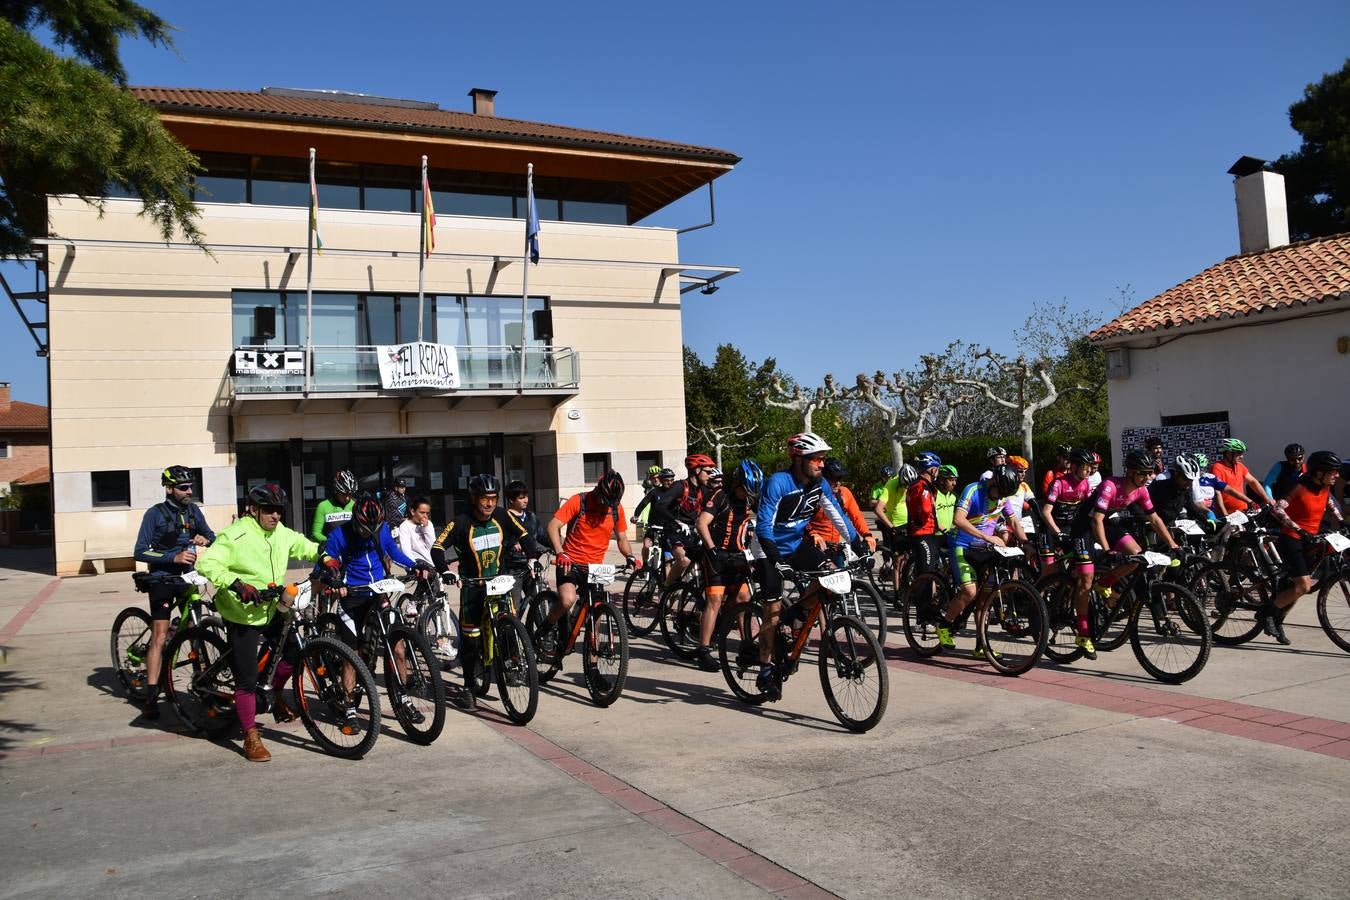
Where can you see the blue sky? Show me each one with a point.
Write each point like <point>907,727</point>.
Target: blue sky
<point>913,173</point>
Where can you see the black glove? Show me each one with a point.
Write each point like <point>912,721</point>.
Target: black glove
<point>422,566</point>
<point>449,578</point>
<point>860,546</point>
<point>246,593</point>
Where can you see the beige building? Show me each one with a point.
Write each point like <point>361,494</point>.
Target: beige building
<point>161,354</point>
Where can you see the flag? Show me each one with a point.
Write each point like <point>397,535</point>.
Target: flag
<point>428,216</point>
<point>314,206</point>
<point>531,219</point>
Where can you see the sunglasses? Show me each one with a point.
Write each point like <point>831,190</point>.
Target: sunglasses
<point>182,487</point>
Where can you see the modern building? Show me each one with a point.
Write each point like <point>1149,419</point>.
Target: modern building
<point>1256,346</point>
<point>161,353</point>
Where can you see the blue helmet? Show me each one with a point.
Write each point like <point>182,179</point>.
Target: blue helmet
<point>749,476</point>
<point>927,460</point>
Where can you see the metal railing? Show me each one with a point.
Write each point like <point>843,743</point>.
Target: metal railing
<point>355,369</point>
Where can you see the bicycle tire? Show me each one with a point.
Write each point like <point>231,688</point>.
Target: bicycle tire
<point>538,613</point>
<point>642,597</point>
<point>871,610</point>
<point>680,620</point>
<point>199,681</point>
<point>317,685</point>
<point>1114,626</point>
<point>849,650</point>
<point>1015,639</point>
<point>605,643</point>
<point>1231,595</point>
<point>1061,643</point>
<point>424,686</point>
<point>129,644</point>
<point>738,650</point>
<point>1333,610</point>
<point>1181,607</point>
<point>927,595</point>
<point>515,670</point>
<point>443,637</point>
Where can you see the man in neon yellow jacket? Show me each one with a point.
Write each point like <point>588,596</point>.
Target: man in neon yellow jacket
<point>248,555</point>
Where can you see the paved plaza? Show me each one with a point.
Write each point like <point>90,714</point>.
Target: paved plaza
<point>1089,780</point>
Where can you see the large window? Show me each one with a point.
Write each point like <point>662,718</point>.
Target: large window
<point>593,466</point>
<point>111,488</point>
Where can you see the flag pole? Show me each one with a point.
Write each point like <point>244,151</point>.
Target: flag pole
<point>525,268</point>
<point>422,254</point>
<point>309,273</point>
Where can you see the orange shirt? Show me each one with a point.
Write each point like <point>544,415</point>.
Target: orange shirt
<point>1236,478</point>
<point>821,525</point>
<point>588,533</point>
<point>1306,507</point>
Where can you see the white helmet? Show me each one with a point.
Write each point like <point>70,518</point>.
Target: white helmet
<point>1187,467</point>
<point>713,472</point>
<point>908,474</point>
<point>806,444</point>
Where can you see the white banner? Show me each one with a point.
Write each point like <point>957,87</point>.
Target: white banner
<point>418,365</point>
<point>269,362</point>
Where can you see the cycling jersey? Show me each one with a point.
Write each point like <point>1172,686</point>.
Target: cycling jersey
<point>1304,508</point>
<point>674,506</point>
<point>480,543</point>
<point>588,530</point>
<point>1281,478</point>
<point>786,507</point>
<point>395,508</point>
<point>983,512</point>
<point>362,558</point>
<point>1235,475</point>
<point>328,516</point>
<point>820,523</point>
<point>516,555</point>
<point>166,530</point>
<point>1065,495</point>
<point>921,506</point>
<point>1050,477</point>
<point>244,551</point>
<point>731,523</point>
<point>1112,496</point>
<point>893,495</point>
<point>1171,501</point>
<point>944,509</point>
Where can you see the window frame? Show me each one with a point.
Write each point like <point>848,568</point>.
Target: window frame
<point>97,503</point>
<point>589,459</point>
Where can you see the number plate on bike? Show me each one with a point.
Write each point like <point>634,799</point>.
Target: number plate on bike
<point>1237,518</point>
<point>837,582</point>
<point>1338,542</point>
<point>502,584</point>
<point>1028,526</point>
<point>600,574</point>
<point>388,586</point>
<point>1157,559</point>
<point>1186,526</point>
<point>302,596</point>
<point>1008,551</point>
<point>196,579</point>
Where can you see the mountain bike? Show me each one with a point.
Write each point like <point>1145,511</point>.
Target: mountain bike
<point>200,682</point>
<point>131,632</point>
<point>506,650</point>
<point>683,605</point>
<point>642,592</point>
<point>604,646</point>
<point>436,621</point>
<point>862,600</point>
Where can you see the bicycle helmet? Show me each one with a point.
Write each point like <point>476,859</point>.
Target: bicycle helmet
<point>948,471</point>
<point>714,473</point>
<point>927,460</point>
<point>484,484</point>
<point>1138,461</point>
<point>344,482</point>
<point>367,516</point>
<point>888,472</point>
<point>749,476</point>
<point>667,473</point>
<point>176,475</point>
<point>1186,467</point>
<point>834,469</point>
<point>1019,462</point>
<point>1232,445</point>
<point>653,470</point>
<point>1096,458</point>
<point>698,461</point>
<point>516,489</point>
<point>1080,456</point>
<point>995,451</point>
<point>1201,460</point>
<point>269,494</point>
<point>1293,450</point>
<point>1006,479</point>
<point>1323,461</point>
<point>609,489</point>
<point>806,444</point>
<point>908,474</point>
<point>1063,450</point>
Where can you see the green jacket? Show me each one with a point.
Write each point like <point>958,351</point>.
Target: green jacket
<point>246,552</point>
<point>320,528</point>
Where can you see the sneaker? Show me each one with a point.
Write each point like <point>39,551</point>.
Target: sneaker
<point>412,713</point>
<point>979,653</point>
<point>945,639</point>
<point>706,661</point>
<point>351,725</point>
<point>150,710</point>
<point>1085,644</point>
<point>767,682</point>
<point>1100,591</point>
<point>1271,625</point>
<point>465,699</point>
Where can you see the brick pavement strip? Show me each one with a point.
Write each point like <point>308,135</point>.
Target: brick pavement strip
<point>12,627</point>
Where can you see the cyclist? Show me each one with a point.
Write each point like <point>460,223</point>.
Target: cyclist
<point>479,537</point>
<point>396,504</point>
<point>416,534</point>
<point>518,505</point>
<point>675,510</point>
<point>787,504</point>
<point>945,505</point>
<point>1095,476</point>
<point>921,506</point>
<point>649,484</point>
<point>1209,490</point>
<point>892,507</point>
<point>168,540</point>
<point>725,526</point>
<point>986,508</point>
<point>994,457</point>
<point>591,519</point>
<point>820,525</point>
<point>1098,520</point>
<point>1175,497</point>
<point>253,552</point>
<point>1061,468</point>
<point>1300,514</point>
<point>663,482</point>
<point>337,508</point>
<point>1066,495</point>
<point>1282,477</point>
<point>1231,469</point>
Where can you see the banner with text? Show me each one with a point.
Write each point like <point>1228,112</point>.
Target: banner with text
<point>418,365</point>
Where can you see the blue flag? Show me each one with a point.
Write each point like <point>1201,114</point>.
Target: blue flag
<point>531,221</point>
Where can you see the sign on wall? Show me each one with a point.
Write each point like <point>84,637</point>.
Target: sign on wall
<point>269,362</point>
<point>418,365</point>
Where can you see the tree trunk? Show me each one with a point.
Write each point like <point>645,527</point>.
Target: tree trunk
<point>806,418</point>
<point>897,452</point>
<point>1028,432</point>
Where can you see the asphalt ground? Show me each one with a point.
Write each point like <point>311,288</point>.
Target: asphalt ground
<point>1084,779</point>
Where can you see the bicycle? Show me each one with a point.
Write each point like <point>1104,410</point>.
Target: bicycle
<point>131,629</point>
<point>849,657</point>
<point>642,592</point>
<point>682,609</point>
<point>436,621</point>
<point>201,679</point>
<point>507,651</point>
<point>604,650</point>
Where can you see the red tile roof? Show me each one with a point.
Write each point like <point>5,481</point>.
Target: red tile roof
<point>1302,274</point>
<point>37,476</point>
<point>23,416</point>
<point>255,105</point>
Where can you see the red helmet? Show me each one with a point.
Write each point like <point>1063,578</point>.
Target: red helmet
<point>698,461</point>
<point>609,489</point>
<point>367,516</point>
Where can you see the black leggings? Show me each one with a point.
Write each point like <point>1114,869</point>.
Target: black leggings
<point>244,641</point>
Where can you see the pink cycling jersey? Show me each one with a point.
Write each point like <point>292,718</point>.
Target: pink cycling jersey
<point>1113,496</point>
<point>1068,490</point>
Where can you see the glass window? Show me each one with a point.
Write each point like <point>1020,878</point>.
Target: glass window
<point>462,204</point>
<point>645,460</point>
<point>282,182</point>
<point>111,488</point>
<point>380,324</point>
<point>593,466</point>
<point>388,188</point>
<point>548,209</point>
<point>601,213</point>
<point>245,317</point>
<point>339,184</point>
<point>407,319</point>
<point>4,449</point>
<point>224,181</point>
<point>451,325</point>
<point>112,189</point>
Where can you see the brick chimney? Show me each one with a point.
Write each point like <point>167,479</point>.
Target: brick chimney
<point>483,101</point>
<point>4,396</point>
<point>1263,219</point>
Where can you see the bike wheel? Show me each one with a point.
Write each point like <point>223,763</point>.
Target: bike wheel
<point>681,617</point>
<point>642,601</point>
<point>129,644</point>
<point>927,595</point>
<point>323,702</point>
<point>199,680</point>
<point>1061,644</point>
<point>865,605</point>
<point>438,623</point>
<point>1231,595</point>
<point>1173,642</point>
<point>738,650</point>
<point>418,698</point>
<point>604,654</point>
<point>540,605</point>
<point>1333,610</point>
<point>853,673</point>
<point>514,667</point>
<point>1113,626</point>
<point>1012,625</point>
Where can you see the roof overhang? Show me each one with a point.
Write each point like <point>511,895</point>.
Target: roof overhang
<point>1332,303</point>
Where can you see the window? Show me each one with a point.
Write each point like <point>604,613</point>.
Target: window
<point>4,449</point>
<point>600,213</point>
<point>225,180</point>
<point>645,460</point>
<point>388,187</point>
<point>339,184</point>
<point>1209,418</point>
<point>593,466</point>
<point>282,182</point>
<point>111,488</point>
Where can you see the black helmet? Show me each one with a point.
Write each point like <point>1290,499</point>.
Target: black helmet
<point>834,468</point>
<point>516,488</point>
<point>269,494</point>
<point>888,471</point>
<point>1081,456</point>
<point>1006,479</point>
<point>1138,461</point>
<point>1293,450</point>
<point>609,489</point>
<point>344,482</point>
<point>995,451</point>
<point>1323,461</point>
<point>367,516</point>
<point>176,475</point>
<point>1063,450</point>
<point>667,473</point>
<point>484,484</point>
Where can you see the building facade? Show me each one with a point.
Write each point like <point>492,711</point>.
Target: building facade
<point>157,350</point>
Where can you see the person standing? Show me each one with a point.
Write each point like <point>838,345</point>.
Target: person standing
<point>396,504</point>
<point>416,534</point>
<point>335,510</point>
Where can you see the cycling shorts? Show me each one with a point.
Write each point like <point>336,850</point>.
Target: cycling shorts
<point>244,644</point>
<point>963,562</point>
<point>1300,559</point>
<point>900,542</point>
<point>806,558</point>
<point>926,553</point>
<point>357,605</point>
<point>731,569</point>
<point>163,599</point>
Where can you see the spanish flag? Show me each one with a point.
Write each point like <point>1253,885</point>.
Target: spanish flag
<point>428,215</point>
<point>314,205</point>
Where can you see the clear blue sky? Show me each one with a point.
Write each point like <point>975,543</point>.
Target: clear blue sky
<point>913,173</point>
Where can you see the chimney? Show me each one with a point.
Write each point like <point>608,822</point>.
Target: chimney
<point>4,397</point>
<point>1263,220</point>
<point>483,102</point>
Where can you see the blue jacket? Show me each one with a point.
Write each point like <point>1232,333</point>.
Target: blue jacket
<point>786,507</point>
<point>167,529</point>
<point>361,557</point>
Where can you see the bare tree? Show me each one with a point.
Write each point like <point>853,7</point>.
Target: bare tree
<point>804,402</point>
<point>1031,389</point>
<point>915,407</point>
<point>723,437</point>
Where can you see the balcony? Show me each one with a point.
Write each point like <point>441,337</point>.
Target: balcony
<point>301,374</point>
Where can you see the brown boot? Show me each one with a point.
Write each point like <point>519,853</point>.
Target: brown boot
<point>254,751</point>
<point>281,712</point>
